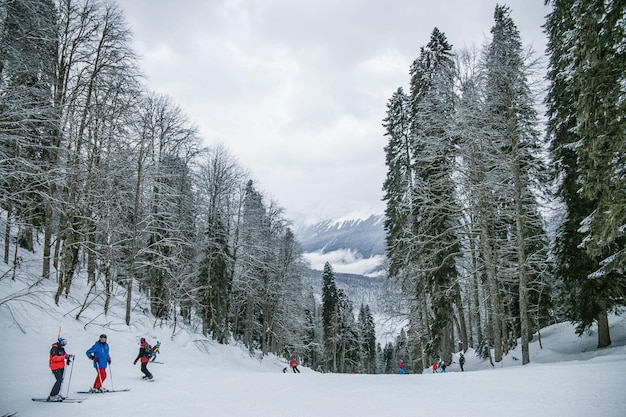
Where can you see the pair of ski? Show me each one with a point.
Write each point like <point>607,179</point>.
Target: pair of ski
<point>78,400</point>
<point>64,400</point>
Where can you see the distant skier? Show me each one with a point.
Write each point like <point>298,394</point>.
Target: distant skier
<point>435,367</point>
<point>294,365</point>
<point>401,365</point>
<point>461,361</point>
<point>58,360</point>
<point>156,349</point>
<point>99,354</point>
<point>144,356</point>
<point>443,367</point>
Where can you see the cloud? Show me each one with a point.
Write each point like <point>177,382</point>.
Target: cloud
<point>297,90</point>
<point>345,261</point>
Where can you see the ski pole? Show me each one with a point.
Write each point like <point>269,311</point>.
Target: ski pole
<point>111,374</point>
<point>69,380</point>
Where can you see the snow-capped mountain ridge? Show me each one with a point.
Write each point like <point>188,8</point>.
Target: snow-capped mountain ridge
<point>363,237</point>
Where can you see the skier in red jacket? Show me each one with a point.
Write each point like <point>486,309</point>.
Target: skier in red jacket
<point>294,365</point>
<point>144,358</point>
<point>58,360</point>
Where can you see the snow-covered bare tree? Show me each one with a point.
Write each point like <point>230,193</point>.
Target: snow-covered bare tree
<point>219,195</point>
<point>27,118</point>
<point>94,58</point>
<point>515,140</point>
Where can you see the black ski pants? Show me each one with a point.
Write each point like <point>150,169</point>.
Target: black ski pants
<point>58,374</point>
<point>144,369</point>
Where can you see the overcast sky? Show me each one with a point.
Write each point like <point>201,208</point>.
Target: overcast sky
<point>297,89</point>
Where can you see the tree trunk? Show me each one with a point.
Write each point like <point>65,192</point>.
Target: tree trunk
<point>604,334</point>
<point>461,316</point>
<point>7,235</point>
<point>47,237</point>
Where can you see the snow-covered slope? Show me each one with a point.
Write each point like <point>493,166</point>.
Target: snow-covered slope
<point>568,377</point>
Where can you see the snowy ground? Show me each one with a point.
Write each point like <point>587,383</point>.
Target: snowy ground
<point>569,377</point>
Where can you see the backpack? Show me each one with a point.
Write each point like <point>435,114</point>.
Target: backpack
<point>147,350</point>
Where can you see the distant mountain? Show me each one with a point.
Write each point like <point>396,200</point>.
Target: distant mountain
<point>355,248</point>
<point>365,237</point>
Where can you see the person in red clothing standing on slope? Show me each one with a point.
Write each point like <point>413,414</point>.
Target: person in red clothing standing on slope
<point>58,359</point>
<point>144,357</point>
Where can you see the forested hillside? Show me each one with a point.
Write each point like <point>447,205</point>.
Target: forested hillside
<point>105,182</point>
<point>473,174</point>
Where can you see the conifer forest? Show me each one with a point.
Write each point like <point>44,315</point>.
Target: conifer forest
<point>505,193</point>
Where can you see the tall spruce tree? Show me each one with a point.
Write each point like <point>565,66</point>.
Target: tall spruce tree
<point>398,183</point>
<point>586,103</point>
<point>367,332</point>
<point>330,317</point>
<point>434,207</point>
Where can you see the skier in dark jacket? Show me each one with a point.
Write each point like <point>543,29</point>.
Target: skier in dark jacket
<point>144,357</point>
<point>461,361</point>
<point>58,360</point>
<point>99,354</point>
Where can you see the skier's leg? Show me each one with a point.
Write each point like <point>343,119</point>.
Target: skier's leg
<point>144,369</point>
<point>98,382</point>
<point>58,374</point>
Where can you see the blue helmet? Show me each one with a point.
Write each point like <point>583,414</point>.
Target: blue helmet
<point>62,341</point>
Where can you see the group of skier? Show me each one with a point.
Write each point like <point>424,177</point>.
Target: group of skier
<point>441,367</point>
<point>437,367</point>
<point>99,355</point>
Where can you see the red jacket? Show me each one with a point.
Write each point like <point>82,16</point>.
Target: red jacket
<point>143,358</point>
<point>57,357</point>
<point>293,363</point>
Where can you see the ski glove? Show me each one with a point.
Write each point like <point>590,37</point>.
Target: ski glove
<point>93,358</point>
<point>135,362</point>
<point>109,361</point>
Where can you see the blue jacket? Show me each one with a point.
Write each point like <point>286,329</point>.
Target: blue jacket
<point>101,352</point>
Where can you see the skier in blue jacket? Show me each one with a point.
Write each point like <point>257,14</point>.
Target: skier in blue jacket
<point>99,354</point>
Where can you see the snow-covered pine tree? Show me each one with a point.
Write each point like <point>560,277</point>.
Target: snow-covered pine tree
<point>349,348</point>
<point>586,102</point>
<point>398,184</point>
<point>435,209</point>
<point>367,337</point>
<point>330,317</point>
